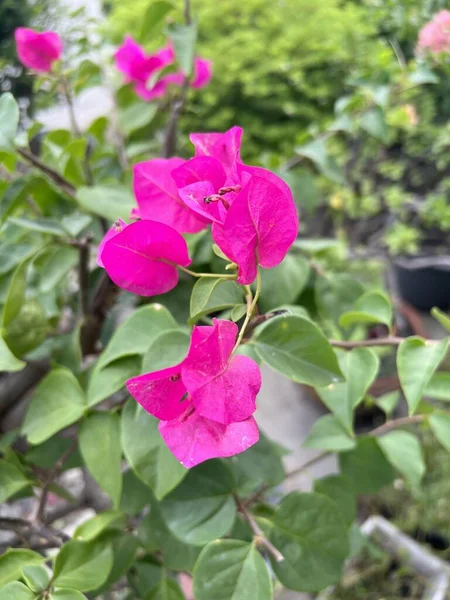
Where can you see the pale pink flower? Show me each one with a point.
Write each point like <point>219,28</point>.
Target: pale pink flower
<point>435,35</point>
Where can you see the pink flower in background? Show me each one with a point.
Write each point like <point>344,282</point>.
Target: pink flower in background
<point>435,35</point>
<point>38,50</point>
<point>142,258</point>
<point>140,68</point>
<point>157,196</point>
<point>208,399</point>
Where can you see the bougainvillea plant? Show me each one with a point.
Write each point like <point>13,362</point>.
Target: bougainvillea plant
<point>144,299</point>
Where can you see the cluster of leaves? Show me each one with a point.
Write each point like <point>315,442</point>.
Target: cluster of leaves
<point>221,521</point>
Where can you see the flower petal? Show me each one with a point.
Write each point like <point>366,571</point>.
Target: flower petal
<point>112,232</point>
<point>202,73</point>
<point>193,439</point>
<point>160,393</point>
<point>38,50</point>
<point>224,147</point>
<point>141,259</point>
<point>157,195</point>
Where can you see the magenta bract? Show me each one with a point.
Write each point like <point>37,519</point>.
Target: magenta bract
<point>142,258</point>
<point>157,196</point>
<point>38,50</point>
<point>193,439</point>
<point>211,392</point>
<point>224,147</point>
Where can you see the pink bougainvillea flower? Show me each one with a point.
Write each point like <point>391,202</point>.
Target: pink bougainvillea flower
<point>435,35</point>
<point>224,147</point>
<point>202,73</point>
<point>157,196</point>
<point>118,226</point>
<point>222,387</point>
<point>38,50</point>
<point>207,399</point>
<point>193,439</point>
<point>143,257</point>
<point>260,226</point>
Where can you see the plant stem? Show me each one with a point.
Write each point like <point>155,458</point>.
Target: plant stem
<point>385,341</point>
<point>83,276</point>
<point>377,432</point>
<point>215,275</point>
<point>60,181</point>
<point>259,537</point>
<point>250,308</point>
<point>51,476</point>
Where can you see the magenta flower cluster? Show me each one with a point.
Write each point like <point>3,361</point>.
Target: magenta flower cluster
<point>143,70</point>
<point>205,404</point>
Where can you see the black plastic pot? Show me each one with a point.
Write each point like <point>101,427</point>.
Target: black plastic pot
<point>424,282</point>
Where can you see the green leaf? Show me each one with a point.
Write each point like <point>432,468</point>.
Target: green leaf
<point>295,347</point>
<point>440,426</point>
<point>83,566</point>
<point>9,362</point>
<point>404,452</point>
<point>42,225</point>
<point>439,386</point>
<point>13,254</point>
<point>423,74</point>
<point>156,536</point>
<point>91,529</point>
<point>360,367</point>
<point>328,433</point>
<point>13,197</point>
<point>309,531</point>
<point>136,334</point>
<point>36,577</point>
<point>16,293</point>
<point>261,464</point>
<point>11,481</point>
<point>54,265</point>
<point>14,560</point>
<point>99,437</point>
<point>201,508</point>
<point>211,294</point>
<point>146,451</point>
<point>374,123</point>
<point>366,467</point>
<point>168,349</point>
<point>9,121</point>
<point>153,17</point>
<point>57,402</point>
<point>184,38</point>
<point>27,330</point>
<point>104,382</point>
<point>284,283</point>
<point>371,307</point>
<point>417,360</point>
<point>124,547</point>
<point>440,316</point>
<point>136,115</point>
<point>67,595</point>
<point>317,153</point>
<point>231,570</point>
<point>238,312</point>
<point>16,591</point>
<point>109,201</point>
<point>338,489</point>
<point>167,589</point>
<point>388,402</point>
<point>75,223</point>
<point>337,294</point>
<point>135,494</point>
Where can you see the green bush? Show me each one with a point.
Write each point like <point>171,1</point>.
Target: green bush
<point>276,71</point>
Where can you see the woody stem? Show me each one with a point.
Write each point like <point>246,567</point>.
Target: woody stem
<point>250,308</point>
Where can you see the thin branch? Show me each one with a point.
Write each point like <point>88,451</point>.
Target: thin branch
<point>259,537</point>
<point>56,177</point>
<point>251,305</point>
<point>385,341</point>
<point>83,276</point>
<point>377,432</point>
<point>51,476</point>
